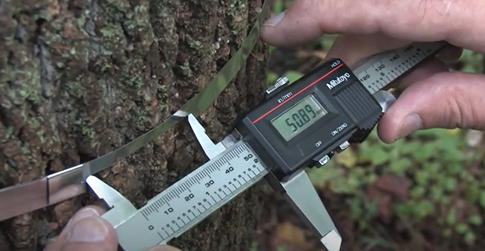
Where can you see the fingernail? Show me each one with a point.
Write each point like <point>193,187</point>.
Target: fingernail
<point>275,20</point>
<point>409,124</point>
<point>164,248</point>
<point>83,213</point>
<point>89,230</point>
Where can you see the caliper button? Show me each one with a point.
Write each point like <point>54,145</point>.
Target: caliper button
<point>322,159</point>
<point>342,147</point>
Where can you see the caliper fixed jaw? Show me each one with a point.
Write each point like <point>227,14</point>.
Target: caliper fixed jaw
<point>120,208</point>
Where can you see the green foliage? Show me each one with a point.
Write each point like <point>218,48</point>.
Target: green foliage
<point>473,62</point>
<point>254,247</point>
<point>433,160</point>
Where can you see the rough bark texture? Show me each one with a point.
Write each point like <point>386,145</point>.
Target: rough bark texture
<point>80,78</point>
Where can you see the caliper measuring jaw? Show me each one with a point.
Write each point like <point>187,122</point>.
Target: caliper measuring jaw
<point>300,193</point>
<point>119,207</point>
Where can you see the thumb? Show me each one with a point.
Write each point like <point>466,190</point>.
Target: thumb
<point>444,100</point>
<point>91,233</point>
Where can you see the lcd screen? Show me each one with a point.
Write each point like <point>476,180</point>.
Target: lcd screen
<point>297,118</point>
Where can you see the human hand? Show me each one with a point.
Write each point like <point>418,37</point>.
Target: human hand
<point>86,230</point>
<point>433,97</point>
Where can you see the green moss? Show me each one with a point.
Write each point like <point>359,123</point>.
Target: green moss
<point>193,43</point>
<point>41,135</point>
<point>237,8</point>
<point>186,71</point>
<point>74,89</point>
<point>110,31</point>
<point>9,132</point>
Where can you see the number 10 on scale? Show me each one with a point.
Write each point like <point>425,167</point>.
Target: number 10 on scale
<point>298,117</point>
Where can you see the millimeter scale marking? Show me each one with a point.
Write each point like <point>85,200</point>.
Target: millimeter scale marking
<point>383,68</point>
<point>193,198</point>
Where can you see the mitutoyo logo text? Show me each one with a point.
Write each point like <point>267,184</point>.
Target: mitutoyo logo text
<point>338,80</point>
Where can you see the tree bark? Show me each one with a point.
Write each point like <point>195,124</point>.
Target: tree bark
<point>80,78</point>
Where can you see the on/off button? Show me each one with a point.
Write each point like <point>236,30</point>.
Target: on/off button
<point>322,159</point>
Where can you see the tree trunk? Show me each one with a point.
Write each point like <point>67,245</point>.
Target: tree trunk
<point>80,78</point>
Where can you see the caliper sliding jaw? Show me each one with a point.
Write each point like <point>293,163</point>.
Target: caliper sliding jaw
<point>296,188</point>
<point>300,193</point>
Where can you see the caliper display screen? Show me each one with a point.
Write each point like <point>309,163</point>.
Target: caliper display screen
<point>297,118</point>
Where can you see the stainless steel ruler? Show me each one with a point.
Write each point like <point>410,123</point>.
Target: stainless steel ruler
<point>192,199</point>
<point>378,71</point>
<point>234,167</point>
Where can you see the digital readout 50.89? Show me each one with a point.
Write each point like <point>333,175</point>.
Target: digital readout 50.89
<point>297,118</point>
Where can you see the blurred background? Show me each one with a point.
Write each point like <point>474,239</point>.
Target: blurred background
<point>425,192</point>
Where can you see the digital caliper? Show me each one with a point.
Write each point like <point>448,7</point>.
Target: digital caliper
<point>297,126</point>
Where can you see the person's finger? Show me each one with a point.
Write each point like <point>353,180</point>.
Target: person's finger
<point>353,48</point>
<point>444,100</point>
<point>163,248</point>
<point>85,212</point>
<point>458,22</point>
<point>91,233</point>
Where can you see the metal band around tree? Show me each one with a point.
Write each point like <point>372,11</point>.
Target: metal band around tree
<point>195,105</point>
<point>69,183</point>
